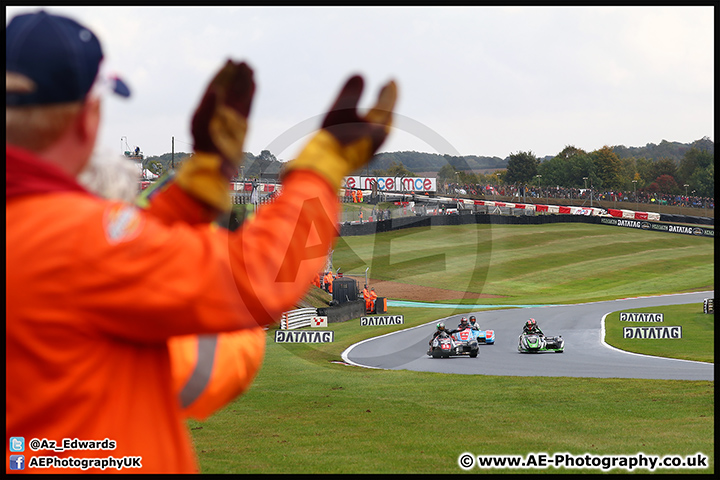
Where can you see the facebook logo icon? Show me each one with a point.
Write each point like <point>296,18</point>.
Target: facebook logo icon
<point>17,462</point>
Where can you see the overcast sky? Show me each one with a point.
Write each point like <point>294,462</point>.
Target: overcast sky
<point>486,81</point>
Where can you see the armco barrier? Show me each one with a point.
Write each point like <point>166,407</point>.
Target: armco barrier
<point>302,317</point>
<point>297,318</point>
<point>708,306</point>
<point>665,217</point>
<point>348,230</point>
<point>436,203</point>
<point>343,312</point>
<point>659,227</point>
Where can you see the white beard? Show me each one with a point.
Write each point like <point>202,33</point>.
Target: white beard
<point>111,176</point>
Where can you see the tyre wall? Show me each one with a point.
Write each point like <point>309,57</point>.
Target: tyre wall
<point>343,312</point>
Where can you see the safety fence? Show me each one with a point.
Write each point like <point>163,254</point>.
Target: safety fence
<point>708,305</point>
<point>299,318</point>
<point>245,198</point>
<point>353,229</point>
<point>321,317</point>
<point>409,204</point>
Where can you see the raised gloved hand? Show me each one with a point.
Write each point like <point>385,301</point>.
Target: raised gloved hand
<point>219,126</point>
<point>347,141</point>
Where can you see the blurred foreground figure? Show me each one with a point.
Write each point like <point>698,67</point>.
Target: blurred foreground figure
<point>123,321</point>
<point>111,176</point>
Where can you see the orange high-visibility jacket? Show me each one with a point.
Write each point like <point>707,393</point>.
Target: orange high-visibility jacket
<point>211,370</point>
<point>328,281</point>
<point>368,302</point>
<point>99,291</point>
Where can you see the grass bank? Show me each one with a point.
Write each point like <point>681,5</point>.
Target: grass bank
<point>307,414</point>
<point>552,263</point>
<point>698,333</point>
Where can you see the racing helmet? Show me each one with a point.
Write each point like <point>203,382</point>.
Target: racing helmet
<point>472,318</point>
<point>441,327</point>
<point>463,321</point>
<point>530,323</point>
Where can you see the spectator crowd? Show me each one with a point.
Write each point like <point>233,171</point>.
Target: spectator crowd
<point>578,193</point>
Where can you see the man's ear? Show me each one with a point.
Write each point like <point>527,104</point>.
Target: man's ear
<point>88,121</point>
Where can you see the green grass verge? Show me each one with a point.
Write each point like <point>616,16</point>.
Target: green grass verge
<point>698,333</point>
<point>552,263</point>
<point>307,414</point>
<point>305,417</point>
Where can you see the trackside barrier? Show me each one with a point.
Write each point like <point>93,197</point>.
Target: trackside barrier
<point>347,230</point>
<point>297,318</point>
<point>708,306</point>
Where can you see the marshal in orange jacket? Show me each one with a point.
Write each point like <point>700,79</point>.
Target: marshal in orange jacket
<point>97,289</point>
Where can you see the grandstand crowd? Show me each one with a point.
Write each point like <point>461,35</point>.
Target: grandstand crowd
<point>578,193</point>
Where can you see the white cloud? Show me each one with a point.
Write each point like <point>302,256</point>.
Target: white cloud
<point>488,80</point>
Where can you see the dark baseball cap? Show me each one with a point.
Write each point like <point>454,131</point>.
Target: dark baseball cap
<point>53,59</point>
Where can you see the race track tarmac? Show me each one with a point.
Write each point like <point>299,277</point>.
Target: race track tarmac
<point>586,355</point>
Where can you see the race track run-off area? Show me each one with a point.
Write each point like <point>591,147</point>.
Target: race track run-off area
<point>581,326</point>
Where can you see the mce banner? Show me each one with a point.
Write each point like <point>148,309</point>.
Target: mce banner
<point>392,184</point>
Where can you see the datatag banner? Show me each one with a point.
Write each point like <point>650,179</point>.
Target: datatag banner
<point>653,332</point>
<point>662,227</point>
<point>392,184</point>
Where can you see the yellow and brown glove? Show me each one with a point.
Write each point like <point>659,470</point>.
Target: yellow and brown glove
<point>218,127</point>
<point>347,141</point>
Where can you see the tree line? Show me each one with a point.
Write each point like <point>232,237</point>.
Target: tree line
<point>668,168</point>
<point>691,173</point>
<point>603,169</point>
<point>252,167</point>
